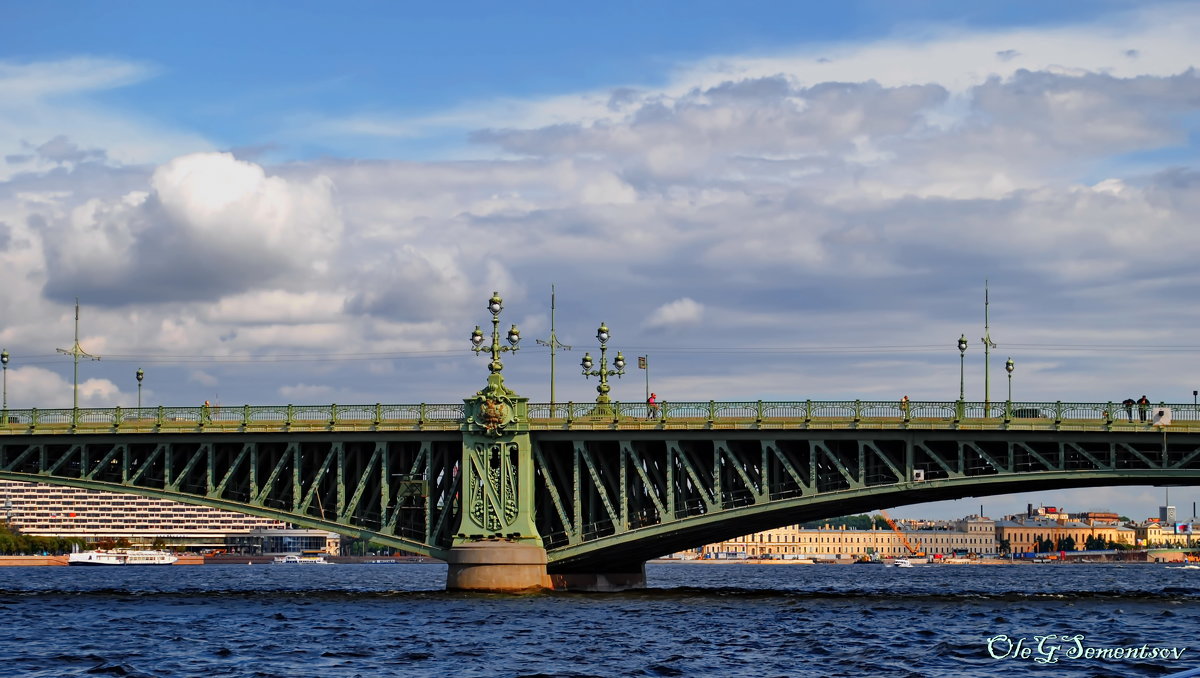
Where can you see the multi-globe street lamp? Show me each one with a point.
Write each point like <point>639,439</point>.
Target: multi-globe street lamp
<point>495,305</point>
<point>4,361</point>
<point>962,363</point>
<point>603,372</point>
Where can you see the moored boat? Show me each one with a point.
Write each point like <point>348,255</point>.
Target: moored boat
<point>292,559</point>
<point>121,557</point>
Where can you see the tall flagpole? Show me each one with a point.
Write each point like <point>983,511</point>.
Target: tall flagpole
<point>553,343</point>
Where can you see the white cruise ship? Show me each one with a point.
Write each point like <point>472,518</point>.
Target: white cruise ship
<point>121,557</point>
<point>293,559</point>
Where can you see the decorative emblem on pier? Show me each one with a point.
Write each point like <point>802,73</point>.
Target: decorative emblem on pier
<point>494,416</point>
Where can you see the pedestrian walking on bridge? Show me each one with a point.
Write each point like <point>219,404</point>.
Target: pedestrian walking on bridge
<point>652,406</point>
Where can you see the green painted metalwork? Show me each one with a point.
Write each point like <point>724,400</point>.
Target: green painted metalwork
<point>398,489</point>
<point>603,400</point>
<point>497,466</point>
<point>76,352</point>
<point>687,415</point>
<point>646,493</point>
<point>553,344</point>
<point>598,489</point>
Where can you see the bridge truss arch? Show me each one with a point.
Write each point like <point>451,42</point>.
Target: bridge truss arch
<point>396,489</point>
<point>606,498</point>
<point>613,500</point>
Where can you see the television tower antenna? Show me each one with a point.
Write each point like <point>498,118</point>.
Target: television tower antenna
<point>554,344</point>
<point>76,352</point>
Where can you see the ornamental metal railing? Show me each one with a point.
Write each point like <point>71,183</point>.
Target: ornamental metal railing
<point>666,415</point>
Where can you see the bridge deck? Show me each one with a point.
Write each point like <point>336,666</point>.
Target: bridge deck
<point>610,486</point>
<point>710,415</point>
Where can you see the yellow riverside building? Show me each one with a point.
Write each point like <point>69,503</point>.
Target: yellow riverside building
<point>1022,533</point>
<point>973,535</point>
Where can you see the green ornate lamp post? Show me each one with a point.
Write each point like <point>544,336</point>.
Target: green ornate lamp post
<point>603,372</point>
<point>495,305</point>
<point>4,361</point>
<point>1008,367</point>
<point>140,375</point>
<point>962,362</point>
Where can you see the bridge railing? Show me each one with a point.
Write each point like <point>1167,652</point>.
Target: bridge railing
<point>666,415</point>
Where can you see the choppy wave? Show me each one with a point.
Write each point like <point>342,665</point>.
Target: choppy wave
<point>729,621</point>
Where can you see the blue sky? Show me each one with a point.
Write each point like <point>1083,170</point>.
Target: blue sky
<point>291,202</point>
<point>231,71</point>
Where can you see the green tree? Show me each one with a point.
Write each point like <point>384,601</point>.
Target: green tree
<point>12,542</point>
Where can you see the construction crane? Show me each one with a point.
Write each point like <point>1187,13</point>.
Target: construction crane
<point>903,538</point>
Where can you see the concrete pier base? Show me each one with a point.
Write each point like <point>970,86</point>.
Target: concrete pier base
<point>513,567</point>
<point>497,566</point>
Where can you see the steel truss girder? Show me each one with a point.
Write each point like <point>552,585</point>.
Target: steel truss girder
<point>342,483</point>
<point>612,497</point>
<point>601,496</point>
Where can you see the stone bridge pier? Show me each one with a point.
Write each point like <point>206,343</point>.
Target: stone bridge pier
<point>497,546</point>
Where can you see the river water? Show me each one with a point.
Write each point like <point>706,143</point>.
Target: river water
<point>699,619</point>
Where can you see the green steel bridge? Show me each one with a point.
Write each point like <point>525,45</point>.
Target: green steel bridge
<point>602,487</point>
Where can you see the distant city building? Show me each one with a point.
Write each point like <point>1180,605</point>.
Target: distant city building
<point>276,541</point>
<point>58,511</point>
<point>1153,532</point>
<point>1026,534</point>
<point>1048,512</point>
<point>1149,533</point>
<point>1099,518</point>
<point>972,535</point>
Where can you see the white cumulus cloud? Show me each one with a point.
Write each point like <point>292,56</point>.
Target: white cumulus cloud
<point>679,313</point>
<point>210,225</point>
